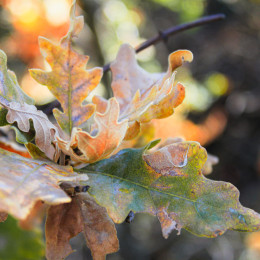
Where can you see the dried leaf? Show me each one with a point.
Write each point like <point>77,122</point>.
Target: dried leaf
<point>63,223</point>
<point>143,96</point>
<point>69,81</point>
<point>24,181</point>
<point>168,183</point>
<point>99,145</point>
<point>45,131</point>
<point>82,214</point>
<point>9,88</point>
<point>99,229</point>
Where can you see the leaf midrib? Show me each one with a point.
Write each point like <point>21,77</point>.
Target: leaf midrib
<point>135,183</point>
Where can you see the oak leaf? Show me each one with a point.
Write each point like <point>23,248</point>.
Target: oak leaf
<point>69,81</point>
<point>144,96</point>
<point>83,214</point>
<point>45,132</point>
<point>103,141</point>
<point>169,184</point>
<point>24,181</point>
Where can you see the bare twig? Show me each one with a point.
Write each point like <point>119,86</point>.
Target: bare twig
<point>164,35</point>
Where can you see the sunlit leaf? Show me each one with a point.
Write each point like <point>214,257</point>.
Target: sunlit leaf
<point>69,81</point>
<point>24,181</point>
<point>83,214</point>
<point>45,131</point>
<point>100,144</point>
<point>143,96</point>
<point>169,183</point>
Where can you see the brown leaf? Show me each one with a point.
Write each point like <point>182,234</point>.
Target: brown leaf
<point>96,146</point>
<point>82,214</point>
<point>63,223</point>
<point>143,96</point>
<point>99,229</point>
<point>24,181</point>
<point>69,81</point>
<point>45,131</point>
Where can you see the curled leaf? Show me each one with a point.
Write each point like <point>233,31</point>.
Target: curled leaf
<point>69,81</point>
<point>143,96</point>
<point>88,148</point>
<point>45,131</point>
<point>169,184</point>
<point>24,181</point>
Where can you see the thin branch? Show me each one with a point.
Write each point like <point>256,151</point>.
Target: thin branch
<point>164,35</point>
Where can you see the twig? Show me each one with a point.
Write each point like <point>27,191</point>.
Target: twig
<point>164,35</point>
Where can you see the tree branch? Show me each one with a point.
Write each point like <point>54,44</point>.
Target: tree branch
<point>164,35</point>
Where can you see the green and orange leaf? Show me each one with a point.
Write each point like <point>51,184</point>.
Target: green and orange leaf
<point>69,81</point>
<point>169,184</point>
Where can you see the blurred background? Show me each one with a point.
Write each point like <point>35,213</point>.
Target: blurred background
<point>221,108</point>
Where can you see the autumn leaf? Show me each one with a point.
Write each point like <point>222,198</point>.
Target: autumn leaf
<point>45,131</point>
<point>144,96</point>
<point>69,81</point>
<point>83,214</point>
<point>102,142</point>
<point>24,181</point>
<point>168,183</point>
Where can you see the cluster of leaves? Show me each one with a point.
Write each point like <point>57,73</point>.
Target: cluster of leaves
<point>106,182</point>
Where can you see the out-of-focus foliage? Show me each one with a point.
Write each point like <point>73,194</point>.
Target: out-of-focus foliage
<point>20,244</point>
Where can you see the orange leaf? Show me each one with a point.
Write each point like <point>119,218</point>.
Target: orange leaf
<point>96,146</point>
<point>69,81</point>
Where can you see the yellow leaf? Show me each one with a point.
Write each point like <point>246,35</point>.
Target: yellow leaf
<point>69,81</point>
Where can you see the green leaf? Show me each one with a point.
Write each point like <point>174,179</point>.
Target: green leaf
<point>169,184</point>
<point>24,137</point>
<point>9,87</point>
<point>18,244</point>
